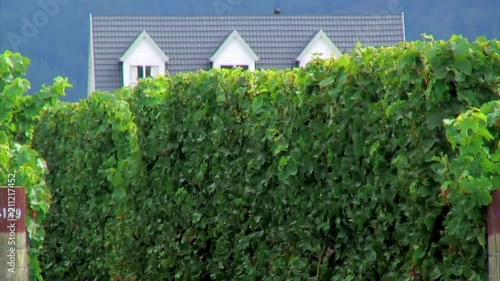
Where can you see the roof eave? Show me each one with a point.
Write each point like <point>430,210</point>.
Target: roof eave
<point>404,25</point>
<point>91,71</point>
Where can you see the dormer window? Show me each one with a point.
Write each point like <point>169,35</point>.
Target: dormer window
<point>143,58</point>
<point>320,46</point>
<point>234,52</point>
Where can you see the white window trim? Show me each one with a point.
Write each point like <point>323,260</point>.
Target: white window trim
<point>235,66</point>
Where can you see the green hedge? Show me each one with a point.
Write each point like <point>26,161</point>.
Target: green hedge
<point>86,145</point>
<point>323,173</point>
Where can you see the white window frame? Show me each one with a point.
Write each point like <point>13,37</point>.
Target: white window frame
<point>134,73</point>
<point>230,66</point>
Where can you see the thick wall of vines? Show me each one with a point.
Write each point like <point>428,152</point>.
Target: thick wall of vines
<point>333,172</point>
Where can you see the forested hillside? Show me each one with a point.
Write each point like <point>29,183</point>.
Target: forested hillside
<point>58,41</point>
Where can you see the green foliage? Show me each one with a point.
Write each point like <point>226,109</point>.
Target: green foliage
<point>323,173</point>
<point>18,116</point>
<point>476,170</point>
<point>470,176</point>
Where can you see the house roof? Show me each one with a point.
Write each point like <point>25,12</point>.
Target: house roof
<point>190,41</point>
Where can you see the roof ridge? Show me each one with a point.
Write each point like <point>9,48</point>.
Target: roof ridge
<point>242,16</point>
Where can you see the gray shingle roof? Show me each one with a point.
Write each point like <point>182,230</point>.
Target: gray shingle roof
<point>189,41</point>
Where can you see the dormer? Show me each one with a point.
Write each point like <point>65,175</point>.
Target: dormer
<point>321,46</point>
<point>142,59</point>
<point>234,52</point>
